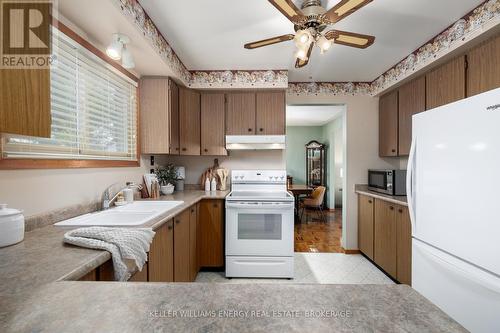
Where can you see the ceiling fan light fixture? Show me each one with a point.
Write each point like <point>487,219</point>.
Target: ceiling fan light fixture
<point>302,38</point>
<point>324,44</point>
<point>301,54</point>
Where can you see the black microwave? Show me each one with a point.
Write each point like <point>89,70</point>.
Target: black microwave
<point>392,182</point>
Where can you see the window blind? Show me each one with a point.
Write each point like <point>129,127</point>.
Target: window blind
<point>93,107</point>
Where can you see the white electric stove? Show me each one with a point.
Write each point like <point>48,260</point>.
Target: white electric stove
<point>259,225</point>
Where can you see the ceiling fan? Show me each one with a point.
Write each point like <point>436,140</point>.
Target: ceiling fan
<point>309,24</point>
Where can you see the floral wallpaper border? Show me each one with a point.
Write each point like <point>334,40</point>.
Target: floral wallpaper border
<point>462,30</point>
<point>240,79</point>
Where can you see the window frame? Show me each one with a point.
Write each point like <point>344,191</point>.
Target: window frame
<point>27,163</point>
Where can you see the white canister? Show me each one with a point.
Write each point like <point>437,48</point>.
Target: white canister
<point>11,226</point>
<point>128,195</point>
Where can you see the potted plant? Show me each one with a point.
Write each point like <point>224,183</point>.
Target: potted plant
<point>166,175</point>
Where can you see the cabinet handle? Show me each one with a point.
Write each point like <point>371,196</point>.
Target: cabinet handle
<point>205,150</point>
<point>170,227</point>
<point>394,150</point>
<point>400,210</point>
<point>369,201</point>
<point>177,148</point>
<point>391,208</point>
<point>178,221</point>
<point>249,129</point>
<point>261,129</point>
<point>184,149</point>
<point>192,210</point>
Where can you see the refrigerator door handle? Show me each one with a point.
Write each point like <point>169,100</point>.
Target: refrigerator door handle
<point>410,188</point>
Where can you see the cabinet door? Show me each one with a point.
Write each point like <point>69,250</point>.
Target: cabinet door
<point>161,255</point>
<point>155,121</point>
<point>385,236</point>
<point>189,121</point>
<point>388,125</point>
<point>141,276</point>
<point>365,225</point>
<point>403,228</point>
<point>240,114</point>
<point>213,136</point>
<point>211,234</point>
<point>193,255</point>
<point>270,113</point>
<point>173,111</point>
<point>25,102</point>
<point>446,84</point>
<point>411,101</point>
<point>181,247</point>
<point>484,67</point>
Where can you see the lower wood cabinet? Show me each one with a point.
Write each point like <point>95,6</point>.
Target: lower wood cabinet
<point>384,236</point>
<point>181,247</point>
<point>365,225</point>
<point>161,254</point>
<point>403,251</point>
<point>210,240</point>
<point>193,254</point>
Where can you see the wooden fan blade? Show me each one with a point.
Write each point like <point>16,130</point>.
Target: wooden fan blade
<point>343,9</point>
<point>288,8</point>
<point>350,38</point>
<point>269,41</point>
<point>301,63</point>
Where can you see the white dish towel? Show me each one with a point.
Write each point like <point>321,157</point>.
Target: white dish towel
<point>124,244</point>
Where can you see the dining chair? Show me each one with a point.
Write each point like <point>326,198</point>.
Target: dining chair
<point>315,200</point>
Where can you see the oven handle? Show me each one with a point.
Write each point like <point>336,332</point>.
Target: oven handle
<point>260,205</point>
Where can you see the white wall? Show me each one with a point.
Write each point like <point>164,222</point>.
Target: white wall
<point>361,152</point>
<point>40,191</point>
<point>246,160</point>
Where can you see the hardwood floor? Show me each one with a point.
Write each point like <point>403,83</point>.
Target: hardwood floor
<point>313,235</point>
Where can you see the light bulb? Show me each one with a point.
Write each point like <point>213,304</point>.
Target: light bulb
<point>302,38</point>
<point>301,54</point>
<point>114,50</point>
<point>324,44</point>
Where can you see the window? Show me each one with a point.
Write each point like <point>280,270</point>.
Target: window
<point>94,111</point>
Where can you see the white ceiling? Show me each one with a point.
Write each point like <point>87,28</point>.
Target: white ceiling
<point>209,35</point>
<point>312,115</point>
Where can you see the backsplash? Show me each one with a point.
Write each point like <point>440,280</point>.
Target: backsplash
<point>252,159</point>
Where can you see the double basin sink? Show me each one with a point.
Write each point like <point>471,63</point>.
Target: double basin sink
<point>130,215</point>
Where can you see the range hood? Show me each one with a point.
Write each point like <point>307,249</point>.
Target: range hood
<point>255,142</point>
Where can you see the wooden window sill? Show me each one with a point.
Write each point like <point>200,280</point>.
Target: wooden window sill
<point>17,164</point>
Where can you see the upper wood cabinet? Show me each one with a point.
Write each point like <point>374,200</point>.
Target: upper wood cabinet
<point>159,113</point>
<point>365,225</point>
<point>213,136</point>
<point>161,254</point>
<point>484,67</point>
<point>446,84</point>
<point>189,121</point>
<point>25,102</point>
<point>240,114</point>
<point>270,115</point>
<point>210,240</point>
<point>181,247</point>
<point>403,243</point>
<point>385,236</point>
<point>173,112</point>
<point>411,101</point>
<point>388,124</point>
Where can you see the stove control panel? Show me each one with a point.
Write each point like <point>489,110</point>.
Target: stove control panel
<point>258,176</point>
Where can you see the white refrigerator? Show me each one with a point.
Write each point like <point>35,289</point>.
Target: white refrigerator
<point>454,201</point>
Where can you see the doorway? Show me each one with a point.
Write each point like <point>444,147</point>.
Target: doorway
<point>317,229</point>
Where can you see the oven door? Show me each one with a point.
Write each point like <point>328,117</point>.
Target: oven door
<point>259,228</point>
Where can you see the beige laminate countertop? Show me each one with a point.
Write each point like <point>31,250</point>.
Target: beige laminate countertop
<point>399,200</point>
<point>43,257</point>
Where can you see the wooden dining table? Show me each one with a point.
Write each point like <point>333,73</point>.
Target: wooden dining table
<point>297,190</point>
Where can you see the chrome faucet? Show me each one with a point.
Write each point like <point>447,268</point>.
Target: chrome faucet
<point>107,199</point>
